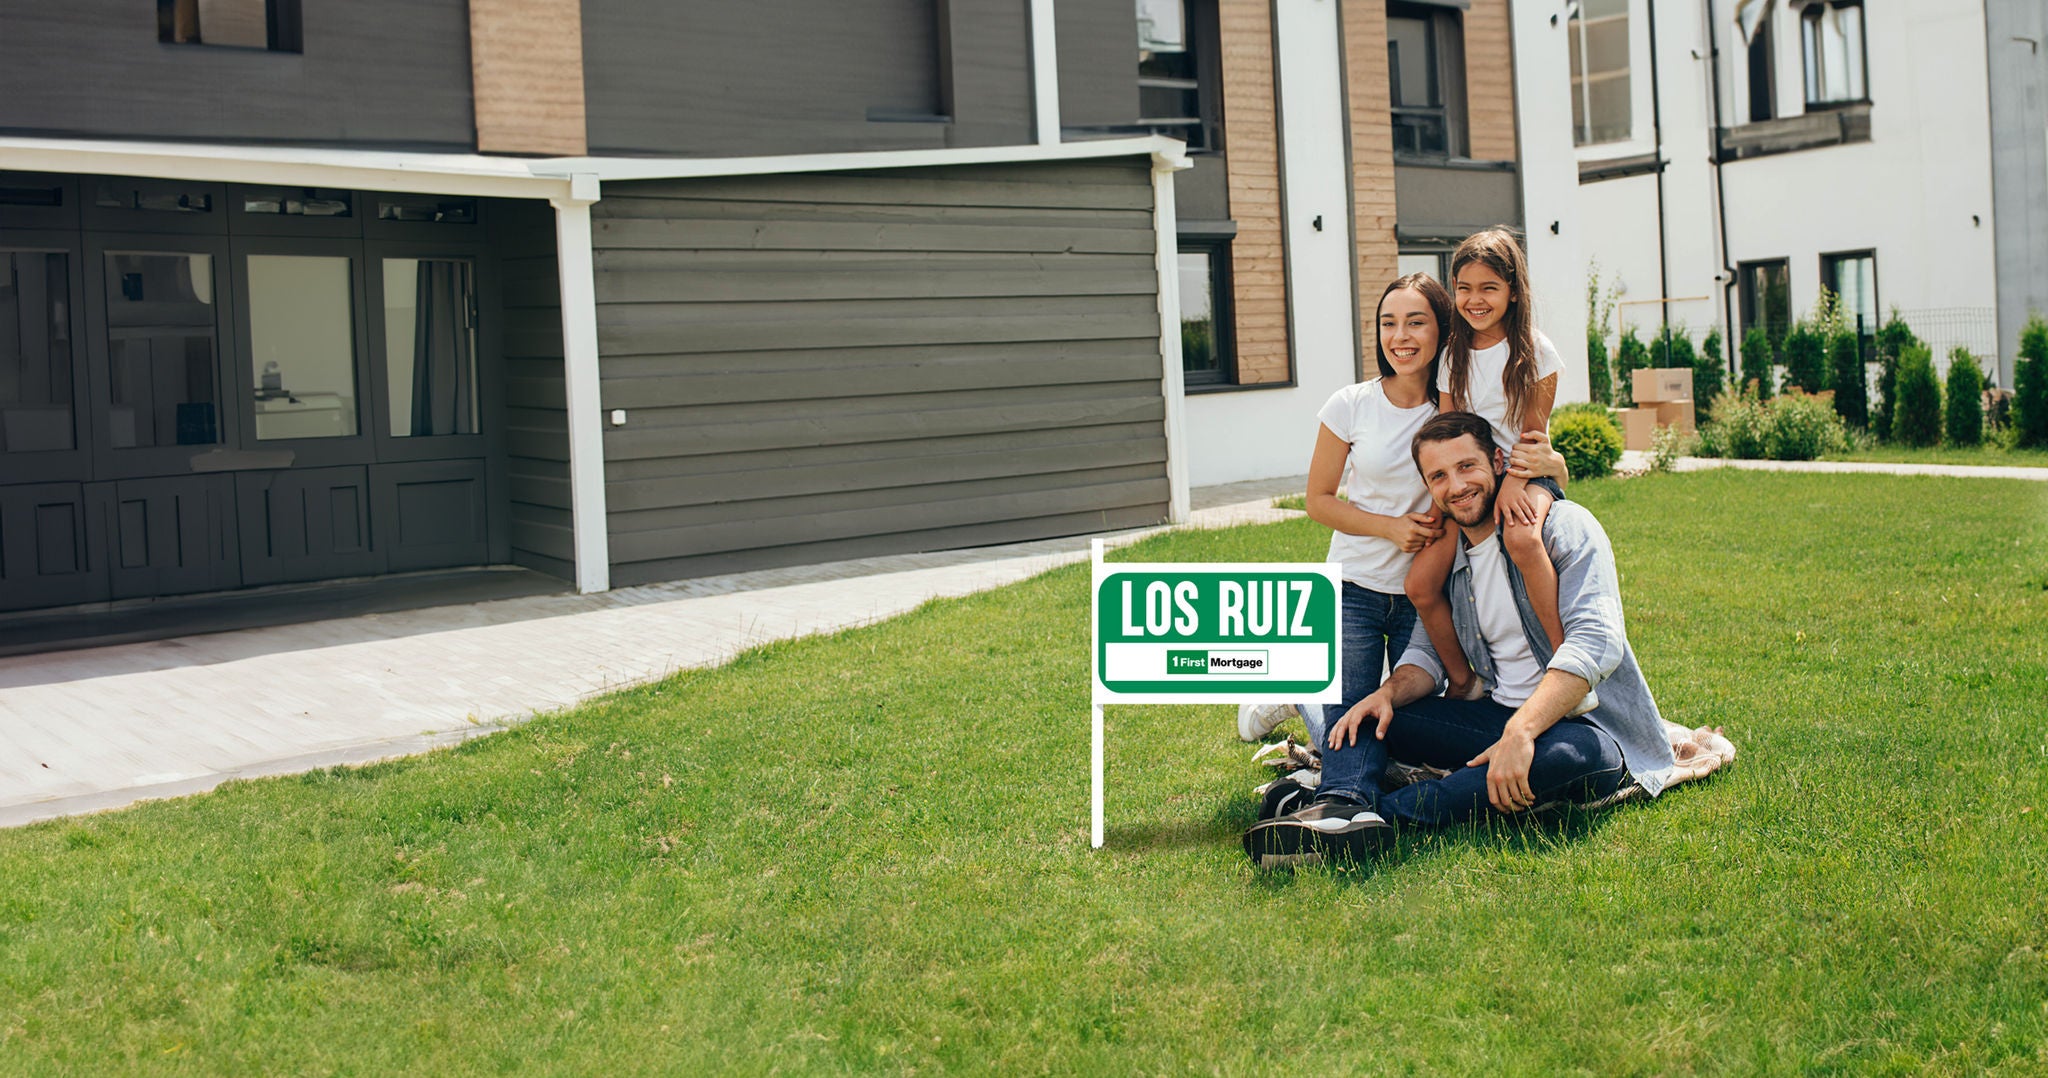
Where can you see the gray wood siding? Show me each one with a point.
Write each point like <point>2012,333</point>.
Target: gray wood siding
<point>1098,62</point>
<point>536,409</point>
<point>840,365</point>
<point>384,72</point>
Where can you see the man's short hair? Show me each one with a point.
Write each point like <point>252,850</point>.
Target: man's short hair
<point>1449,427</point>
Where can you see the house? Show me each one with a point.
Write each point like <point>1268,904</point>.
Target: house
<point>1737,156</point>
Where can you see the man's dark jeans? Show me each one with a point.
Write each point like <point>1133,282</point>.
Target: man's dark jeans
<point>1575,762</point>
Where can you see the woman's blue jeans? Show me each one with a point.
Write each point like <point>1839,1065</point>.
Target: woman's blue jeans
<point>1375,627</point>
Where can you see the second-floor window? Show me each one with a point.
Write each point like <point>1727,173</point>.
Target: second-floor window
<point>1600,85</point>
<point>1425,74</point>
<point>249,24</point>
<point>1173,39</point>
<point>1831,39</point>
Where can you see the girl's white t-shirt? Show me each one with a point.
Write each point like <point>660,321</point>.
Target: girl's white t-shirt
<point>1489,395</point>
<point>1379,477</point>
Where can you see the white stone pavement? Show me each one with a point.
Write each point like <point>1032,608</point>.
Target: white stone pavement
<point>93,729</point>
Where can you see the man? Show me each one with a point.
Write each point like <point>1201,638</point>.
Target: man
<point>1518,749</point>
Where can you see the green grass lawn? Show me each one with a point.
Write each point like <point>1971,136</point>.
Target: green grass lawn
<point>869,852</point>
<point>1985,455</point>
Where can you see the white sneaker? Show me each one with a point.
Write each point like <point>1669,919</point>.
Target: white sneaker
<point>1255,721</point>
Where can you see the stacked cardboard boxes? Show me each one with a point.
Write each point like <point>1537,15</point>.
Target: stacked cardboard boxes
<point>1663,399</point>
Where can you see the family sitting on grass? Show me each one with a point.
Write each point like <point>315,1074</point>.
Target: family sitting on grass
<point>1521,693</point>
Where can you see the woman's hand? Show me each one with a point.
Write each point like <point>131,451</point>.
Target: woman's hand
<point>1534,456</point>
<point>1413,532</point>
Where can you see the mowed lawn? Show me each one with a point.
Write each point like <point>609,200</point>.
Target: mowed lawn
<point>868,852</point>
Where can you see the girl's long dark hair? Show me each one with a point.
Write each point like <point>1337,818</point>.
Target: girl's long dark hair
<point>1498,250</point>
<point>1439,304</point>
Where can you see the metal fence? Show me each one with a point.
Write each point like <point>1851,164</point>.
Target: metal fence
<point>1944,329</point>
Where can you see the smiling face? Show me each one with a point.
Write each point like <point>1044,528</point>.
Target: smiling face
<point>1483,298</point>
<point>1408,331</point>
<point>1461,476</point>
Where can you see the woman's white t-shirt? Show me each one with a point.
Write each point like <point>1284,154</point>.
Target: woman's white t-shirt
<point>1379,477</point>
<point>1489,394</point>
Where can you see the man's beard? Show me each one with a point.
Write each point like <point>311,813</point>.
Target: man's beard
<point>1481,507</point>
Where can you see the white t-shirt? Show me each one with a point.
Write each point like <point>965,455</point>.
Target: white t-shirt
<point>1514,665</point>
<point>1489,395</point>
<point>1379,477</point>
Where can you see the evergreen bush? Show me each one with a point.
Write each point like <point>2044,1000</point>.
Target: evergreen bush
<point>1599,373</point>
<point>1671,347</point>
<point>1965,410</point>
<point>1588,441</point>
<point>1805,362</point>
<point>1850,377</point>
<point>1917,421</point>
<point>2030,385</point>
<point>1633,355</point>
<point>1757,360</point>
<point>1707,373</point>
<point>1892,339</point>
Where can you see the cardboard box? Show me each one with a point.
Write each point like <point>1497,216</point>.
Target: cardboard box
<point>1654,384</point>
<point>1637,424</point>
<point>1676,414</point>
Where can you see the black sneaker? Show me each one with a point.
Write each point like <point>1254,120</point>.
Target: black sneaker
<point>1333,828</point>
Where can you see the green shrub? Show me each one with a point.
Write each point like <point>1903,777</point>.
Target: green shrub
<point>1892,340</point>
<point>1965,411</point>
<point>1672,348</point>
<point>1740,423</point>
<point>1589,442</point>
<point>1632,355</point>
<point>1599,373</point>
<point>1757,359</point>
<point>2030,385</point>
<point>1707,374</point>
<point>1917,421</point>
<point>1667,444</point>
<point>1802,427</point>
<point>1805,361</point>
<point>1850,377</point>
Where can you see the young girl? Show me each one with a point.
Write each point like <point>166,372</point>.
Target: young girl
<point>1500,367</point>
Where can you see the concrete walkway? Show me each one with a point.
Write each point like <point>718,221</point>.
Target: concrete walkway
<point>87,730</point>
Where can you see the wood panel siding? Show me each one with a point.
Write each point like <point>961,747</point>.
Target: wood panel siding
<point>1375,249</point>
<point>374,72</point>
<point>1098,63</point>
<point>1490,81</point>
<point>536,403</point>
<point>838,365</point>
<point>526,60</point>
<point>1258,259</point>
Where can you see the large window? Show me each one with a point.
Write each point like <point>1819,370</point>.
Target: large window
<point>1766,293</point>
<point>302,347</point>
<point>1426,76</point>
<point>161,350</point>
<point>1174,38</point>
<point>1852,277</point>
<point>1831,39</point>
<point>1205,326</point>
<point>430,346</point>
<point>36,357</point>
<point>1600,84</point>
<point>248,24</point>
<point>1762,81</point>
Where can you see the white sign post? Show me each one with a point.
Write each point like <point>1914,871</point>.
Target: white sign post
<point>1207,633</point>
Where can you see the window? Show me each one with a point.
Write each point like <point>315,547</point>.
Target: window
<point>430,346</point>
<point>248,24</point>
<point>1434,263</point>
<point>1762,92</point>
<point>35,353</point>
<point>1766,293</point>
<point>1205,325</point>
<point>302,349</point>
<point>1600,84</point>
<point>160,345</point>
<point>1426,77</point>
<point>1831,38</point>
<point>1852,276</point>
<point>1174,38</point>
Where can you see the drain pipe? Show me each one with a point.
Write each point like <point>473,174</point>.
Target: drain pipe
<point>1720,188</point>
<point>1657,150</point>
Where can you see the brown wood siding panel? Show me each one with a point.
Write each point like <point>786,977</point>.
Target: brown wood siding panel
<point>1490,80</point>
<point>1374,247</point>
<point>1251,126</point>
<point>860,363</point>
<point>526,64</point>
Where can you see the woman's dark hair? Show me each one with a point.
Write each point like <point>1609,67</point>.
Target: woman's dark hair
<point>1439,300</point>
<point>1498,250</point>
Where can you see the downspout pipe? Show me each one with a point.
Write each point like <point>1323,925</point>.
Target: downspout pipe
<point>1657,149</point>
<point>1720,188</point>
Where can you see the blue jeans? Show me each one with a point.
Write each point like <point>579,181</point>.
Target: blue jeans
<point>1375,628</point>
<point>1575,761</point>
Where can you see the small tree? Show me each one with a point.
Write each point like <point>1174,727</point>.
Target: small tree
<point>1671,347</point>
<point>1599,311</point>
<point>2030,384</point>
<point>1632,356</point>
<point>1757,360</point>
<point>1892,340</point>
<point>1965,411</point>
<point>1850,377</point>
<point>1805,360</point>
<point>1917,422</point>
<point>1707,371</point>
